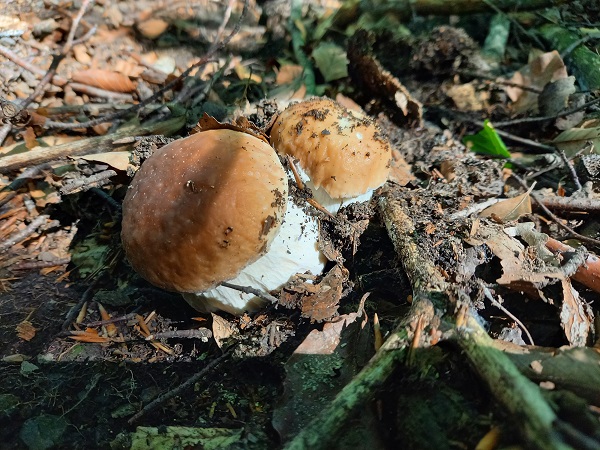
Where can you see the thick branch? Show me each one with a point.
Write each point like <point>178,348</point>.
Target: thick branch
<point>95,144</point>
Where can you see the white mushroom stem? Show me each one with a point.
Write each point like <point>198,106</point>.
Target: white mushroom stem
<point>331,204</point>
<point>294,250</point>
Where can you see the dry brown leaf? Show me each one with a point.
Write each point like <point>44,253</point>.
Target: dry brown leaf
<point>117,160</point>
<point>26,330</point>
<point>128,68</point>
<point>326,341</point>
<point>105,79</point>
<point>242,125</point>
<point>576,316</point>
<point>152,28</point>
<point>222,329</point>
<point>288,74</point>
<point>81,54</point>
<point>515,274</point>
<point>30,138</point>
<point>467,98</point>
<point>348,103</point>
<point>102,128</point>
<point>509,209</point>
<point>244,73</point>
<point>323,303</point>
<point>399,169</point>
<point>540,71</point>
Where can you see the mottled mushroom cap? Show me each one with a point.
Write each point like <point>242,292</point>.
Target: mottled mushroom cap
<point>341,151</point>
<point>202,208</point>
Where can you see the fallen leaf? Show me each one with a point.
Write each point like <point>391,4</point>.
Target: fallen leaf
<point>467,98</point>
<point>152,28</point>
<point>576,139</point>
<point>222,329</point>
<point>104,79</point>
<point>29,138</point>
<point>26,330</point>
<point>540,71</point>
<point>288,73</point>
<point>81,54</point>
<point>399,169</point>
<point>118,160</point>
<point>509,209</point>
<point>576,316</point>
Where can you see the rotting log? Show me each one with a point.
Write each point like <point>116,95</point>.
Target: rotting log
<point>96,144</point>
<point>522,398</point>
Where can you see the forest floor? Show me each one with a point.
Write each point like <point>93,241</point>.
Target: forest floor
<point>458,307</point>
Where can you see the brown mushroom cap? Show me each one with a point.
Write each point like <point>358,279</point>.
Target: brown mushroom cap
<point>202,208</point>
<point>341,151</point>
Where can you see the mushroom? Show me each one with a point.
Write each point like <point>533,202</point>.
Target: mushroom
<point>205,208</point>
<point>342,154</point>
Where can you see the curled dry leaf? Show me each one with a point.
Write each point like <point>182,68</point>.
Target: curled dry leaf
<point>242,125</point>
<point>105,79</point>
<point>540,71</point>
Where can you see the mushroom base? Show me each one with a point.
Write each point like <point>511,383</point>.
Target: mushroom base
<point>294,250</point>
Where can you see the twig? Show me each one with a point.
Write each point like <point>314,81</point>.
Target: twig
<point>85,184</point>
<point>27,175</point>
<point>500,81</point>
<point>569,165</point>
<point>87,296</point>
<point>160,92</point>
<point>565,113</point>
<point>84,5</point>
<point>86,36</point>
<point>178,390</point>
<point>501,307</point>
<point>204,334</point>
<point>250,290</point>
<point>586,272</point>
<point>590,205</point>
<point>226,17</point>
<point>103,93</point>
<point>522,398</point>
<point>41,264</point>
<point>520,140</point>
<point>99,323</point>
<point>9,54</point>
<point>4,132</point>
<point>41,87</point>
<point>556,219</point>
<point>24,234</point>
<point>94,144</point>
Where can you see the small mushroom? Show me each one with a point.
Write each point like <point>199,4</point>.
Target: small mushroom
<point>206,208</point>
<point>342,153</point>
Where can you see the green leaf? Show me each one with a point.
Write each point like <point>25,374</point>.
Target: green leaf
<point>487,142</point>
<point>331,60</point>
